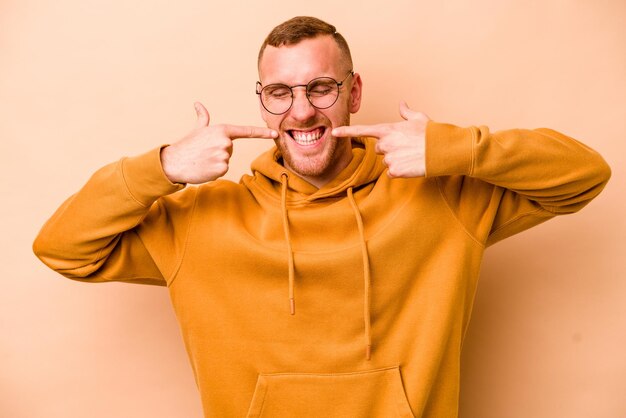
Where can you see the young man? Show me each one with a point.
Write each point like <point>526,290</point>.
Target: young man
<point>338,279</point>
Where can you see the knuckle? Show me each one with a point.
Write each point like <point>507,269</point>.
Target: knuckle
<point>221,168</point>
<point>222,142</point>
<point>384,145</point>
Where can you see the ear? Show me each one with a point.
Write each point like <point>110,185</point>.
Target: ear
<point>355,93</point>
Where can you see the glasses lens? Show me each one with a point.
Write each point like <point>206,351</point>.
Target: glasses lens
<point>322,92</point>
<point>276,98</point>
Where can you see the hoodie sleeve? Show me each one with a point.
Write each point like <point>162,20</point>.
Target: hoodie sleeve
<point>498,184</point>
<point>96,234</point>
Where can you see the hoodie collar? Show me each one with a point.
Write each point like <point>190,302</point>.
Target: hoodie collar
<point>365,167</point>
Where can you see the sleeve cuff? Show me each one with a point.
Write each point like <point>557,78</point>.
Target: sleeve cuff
<point>145,178</point>
<point>448,150</point>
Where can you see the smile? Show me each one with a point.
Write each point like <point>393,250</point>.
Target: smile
<point>306,137</point>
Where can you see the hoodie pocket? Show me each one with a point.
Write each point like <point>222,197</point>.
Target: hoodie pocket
<point>368,394</point>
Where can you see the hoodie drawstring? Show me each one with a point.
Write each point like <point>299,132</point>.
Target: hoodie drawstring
<point>284,177</point>
<point>366,277</point>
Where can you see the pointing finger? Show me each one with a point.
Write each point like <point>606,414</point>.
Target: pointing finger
<point>203,115</point>
<point>360,130</point>
<point>235,131</point>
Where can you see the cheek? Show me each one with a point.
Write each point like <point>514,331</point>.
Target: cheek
<point>263,112</point>
<point>340,116</point>
<point>272,121</point>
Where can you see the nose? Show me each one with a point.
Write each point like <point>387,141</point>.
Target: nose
<point>301,109</point>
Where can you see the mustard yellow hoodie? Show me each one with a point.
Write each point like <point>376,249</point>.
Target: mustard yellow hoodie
<point>347,301</point>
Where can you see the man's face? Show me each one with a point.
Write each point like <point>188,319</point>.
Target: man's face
<point>304,140</point>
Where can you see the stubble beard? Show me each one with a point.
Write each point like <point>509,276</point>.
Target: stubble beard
<point>308,165</point>
<point>311,165</point>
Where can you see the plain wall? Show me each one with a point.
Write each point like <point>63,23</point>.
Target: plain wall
<point>84,82</point>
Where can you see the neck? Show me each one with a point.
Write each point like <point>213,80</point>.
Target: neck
<point>332,171</point>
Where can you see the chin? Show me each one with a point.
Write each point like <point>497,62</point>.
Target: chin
<point>308,164</point>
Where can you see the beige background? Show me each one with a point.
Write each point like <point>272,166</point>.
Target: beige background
<point>83,82</point>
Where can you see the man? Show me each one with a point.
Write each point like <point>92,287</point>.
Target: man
<point>338,279</point>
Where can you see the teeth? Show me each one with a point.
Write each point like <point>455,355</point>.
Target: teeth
<point>306,138</point>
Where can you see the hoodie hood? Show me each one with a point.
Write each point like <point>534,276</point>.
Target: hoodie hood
<point>365,167</point>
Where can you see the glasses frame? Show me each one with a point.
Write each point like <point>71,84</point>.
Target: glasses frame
<point>260,88</point>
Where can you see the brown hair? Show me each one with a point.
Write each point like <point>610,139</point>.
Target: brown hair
<point>299,28</point>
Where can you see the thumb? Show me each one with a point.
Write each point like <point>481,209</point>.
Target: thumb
<point>407,113</point>
<point>203,115</point>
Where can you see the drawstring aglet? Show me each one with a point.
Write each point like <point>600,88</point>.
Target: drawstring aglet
<point>292,306</point>
<point>368,352</point>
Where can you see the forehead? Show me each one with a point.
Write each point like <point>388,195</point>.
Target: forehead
<point>301,62</point>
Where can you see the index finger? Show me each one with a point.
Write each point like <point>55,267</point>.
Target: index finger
<point>360,130</point>
<point>235,131</point>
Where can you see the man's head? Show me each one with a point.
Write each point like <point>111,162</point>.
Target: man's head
<point>295,53</point>
<point>299,28</point>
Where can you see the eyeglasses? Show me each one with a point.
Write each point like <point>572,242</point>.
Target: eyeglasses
<point>322,93</point>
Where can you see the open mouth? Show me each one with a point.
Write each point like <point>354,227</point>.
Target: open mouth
<point>309,137</point>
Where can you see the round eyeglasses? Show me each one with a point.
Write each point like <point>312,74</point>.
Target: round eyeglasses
<point>322,93</point>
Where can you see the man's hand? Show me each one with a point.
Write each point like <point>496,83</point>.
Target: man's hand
<point>403,144</point>
<point>203,154</point>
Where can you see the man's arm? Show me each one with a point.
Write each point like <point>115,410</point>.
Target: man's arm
<point>89,228</point>
<point>94,234</point>
<point>497,184</point>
